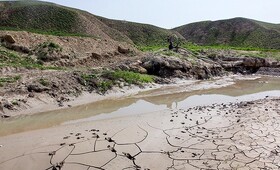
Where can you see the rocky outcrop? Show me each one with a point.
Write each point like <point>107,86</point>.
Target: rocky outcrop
<point>245,65</point>
<point>269,71</point>
<point>205,68</point>
<point>165,66</point>
<point>170,67</point>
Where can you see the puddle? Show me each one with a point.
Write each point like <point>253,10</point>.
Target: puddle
<point>170,97</point>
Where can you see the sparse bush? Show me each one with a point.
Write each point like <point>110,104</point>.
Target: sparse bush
<point>5,80</point>
<point>15,102</point>
<point>131,77</point>
<point>88,77</point>
<point>48,51</point>
<point>12,59</point>
<point>104,86</point>
<point>53,45</point>
<point>105,80</point>
<point>44,82</point>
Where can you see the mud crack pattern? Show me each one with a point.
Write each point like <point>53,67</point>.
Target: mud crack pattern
<point>221,136</point>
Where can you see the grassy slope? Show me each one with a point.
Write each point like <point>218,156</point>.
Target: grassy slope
<point>141,34</point>
<point>48,18</point>
<point>239,32</point>
<point>38,17</point>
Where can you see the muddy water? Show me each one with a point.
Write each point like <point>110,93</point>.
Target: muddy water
<point>171,97</point>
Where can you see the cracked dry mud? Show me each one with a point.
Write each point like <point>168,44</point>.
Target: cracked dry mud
<point>221,136</point>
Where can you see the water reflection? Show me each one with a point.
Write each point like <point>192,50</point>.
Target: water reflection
<point>146,102</point>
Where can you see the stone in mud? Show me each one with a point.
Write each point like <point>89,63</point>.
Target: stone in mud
<point>8,105</point>
<point>9,39</point>
<point>123,50</point>
<point>37,88</point>
<point>96,56</point>
<point>138,69</point>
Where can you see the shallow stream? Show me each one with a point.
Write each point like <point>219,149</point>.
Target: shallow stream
<point>178,96</point>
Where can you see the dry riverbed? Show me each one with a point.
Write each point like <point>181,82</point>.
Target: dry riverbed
<point>220,136</point>
<point>198,132</point>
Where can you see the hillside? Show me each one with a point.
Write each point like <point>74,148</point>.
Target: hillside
<point>141,34</point>
<point>240,32</point>
<point>48,18</point>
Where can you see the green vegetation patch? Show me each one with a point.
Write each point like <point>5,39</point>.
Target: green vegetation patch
<point>12,59</point>
<point>48,51</point>
<point>51,46</point>
<point>151,48</point>
<point>105,80</point>
<point>5,80</point>
<point>41,18</point>
<point>131,77</point>
<point>104,85</point>
<point>242,51</point>
<point>44,82</point>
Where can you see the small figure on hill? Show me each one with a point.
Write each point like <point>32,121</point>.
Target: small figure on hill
<point>170,43</point>
<point>171,40</point>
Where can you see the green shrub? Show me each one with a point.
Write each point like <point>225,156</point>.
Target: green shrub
<point>44,82</point>
<point>88,77</point>
<point>103,86</point>
<point>5,80</point>
<point>12,59</point>
<point>53,45</point>
<point>131,77</point>
<point>15,102</point>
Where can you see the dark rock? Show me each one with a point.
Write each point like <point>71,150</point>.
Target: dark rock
<point>37,88</point>
<point>123,50</point>
<point>9,39</point>
<point>96,56</point>
<point>8,105</point>
<point>60,104</point>
<point>5,116</point>
<point>31,95</point>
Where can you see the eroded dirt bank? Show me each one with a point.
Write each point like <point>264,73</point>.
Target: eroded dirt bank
<point>220,136</point>
<point>40,72</point>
